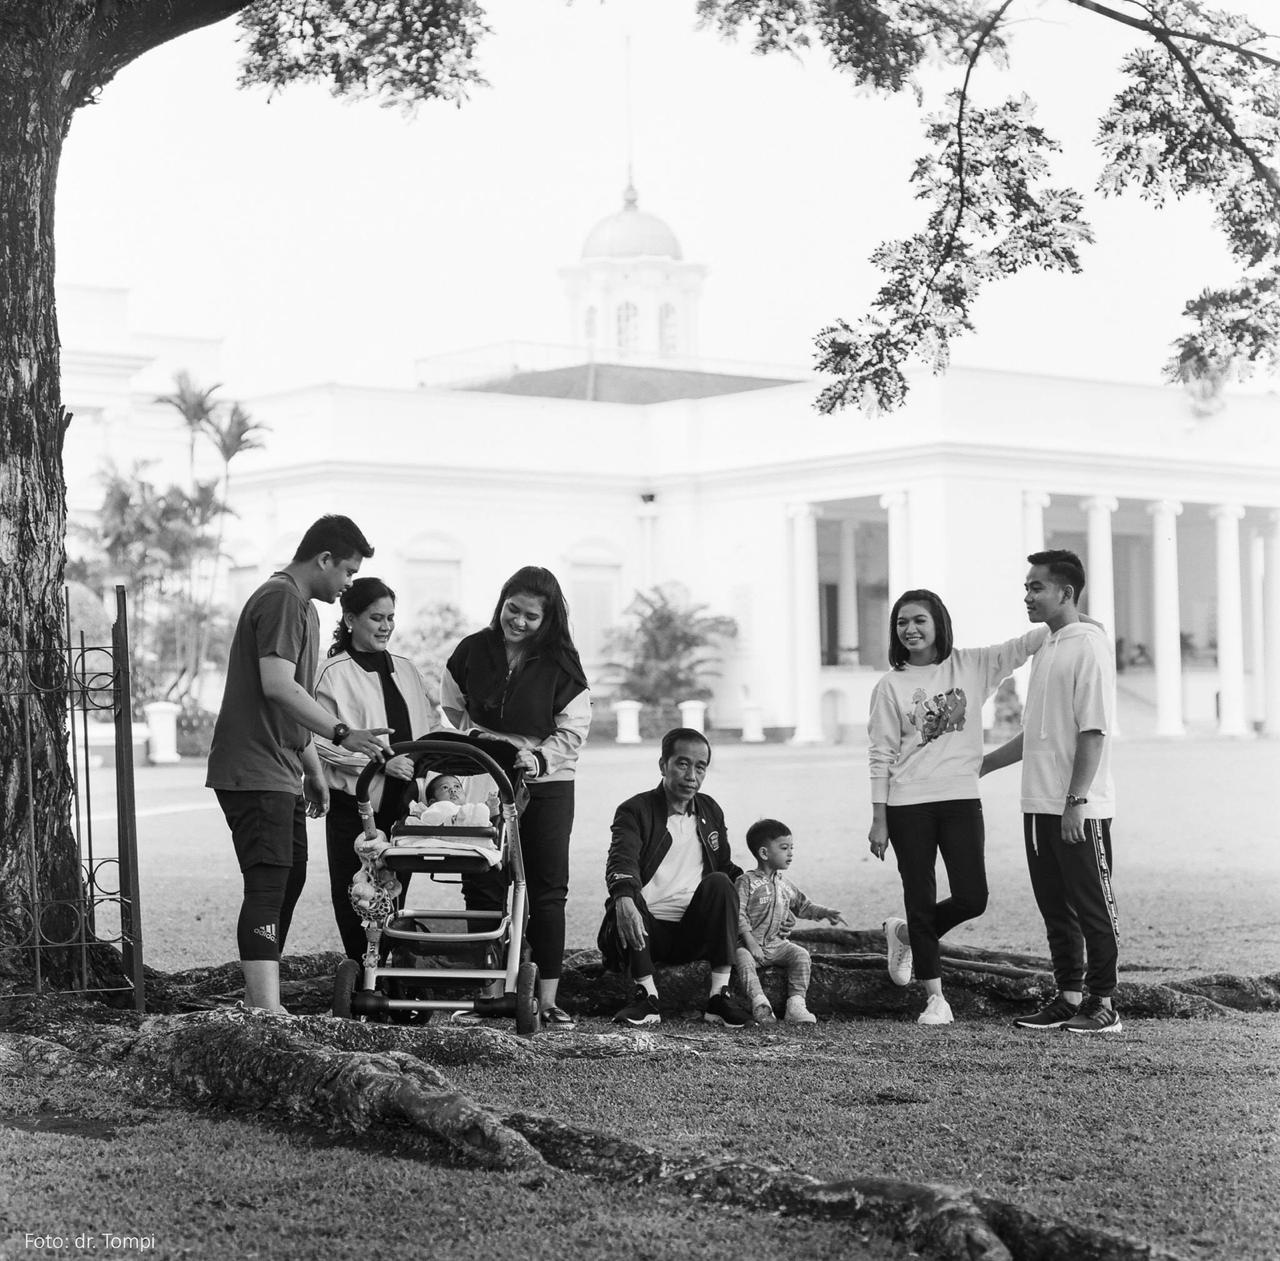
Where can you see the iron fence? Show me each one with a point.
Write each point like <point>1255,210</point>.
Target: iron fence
<point>62,933</point>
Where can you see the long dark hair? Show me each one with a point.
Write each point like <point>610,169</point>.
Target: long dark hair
<point>354,600</point>
<point>553,637</point>
<point>898,655</point>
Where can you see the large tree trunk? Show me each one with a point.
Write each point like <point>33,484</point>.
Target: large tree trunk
<point>54,56</point>
<point>38,859</point>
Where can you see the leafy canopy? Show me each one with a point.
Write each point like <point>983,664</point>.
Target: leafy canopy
<point>1198,114</point>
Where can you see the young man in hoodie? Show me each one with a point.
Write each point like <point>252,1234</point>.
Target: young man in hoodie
<point>1068,799</point>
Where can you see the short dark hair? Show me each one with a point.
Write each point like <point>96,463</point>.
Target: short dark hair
<point>339,535</point>
<point>943,638</point>
<point>675,735</point>
<point>762,831</point>
<point>1065,568</point>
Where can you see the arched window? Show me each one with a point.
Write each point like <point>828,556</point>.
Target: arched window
<point>589,326</point>
<point>628,326</point>
<point>668,330</point>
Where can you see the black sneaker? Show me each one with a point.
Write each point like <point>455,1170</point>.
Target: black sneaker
<point>1054,1016</point>
<point>1093,1017</point>
<point>641,1010</point>
<point>724,1009</point>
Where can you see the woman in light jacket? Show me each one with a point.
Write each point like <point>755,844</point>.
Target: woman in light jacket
<point>520,680</point>
<point>372,688</point>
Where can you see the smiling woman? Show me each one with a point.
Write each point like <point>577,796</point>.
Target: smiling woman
<point>364,683</point>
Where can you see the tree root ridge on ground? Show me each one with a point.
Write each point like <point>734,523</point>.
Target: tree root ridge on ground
<point>937,1221</point>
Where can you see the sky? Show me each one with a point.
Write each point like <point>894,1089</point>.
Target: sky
<point>332,240</point>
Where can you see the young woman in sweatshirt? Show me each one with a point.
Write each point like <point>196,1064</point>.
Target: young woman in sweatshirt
<point>925,755</point>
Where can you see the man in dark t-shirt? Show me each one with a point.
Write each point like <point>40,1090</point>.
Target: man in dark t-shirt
<point>263,764</point>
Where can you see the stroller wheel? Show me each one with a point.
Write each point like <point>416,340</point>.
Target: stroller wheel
<point>344,985</point>
<point>527,1021</point>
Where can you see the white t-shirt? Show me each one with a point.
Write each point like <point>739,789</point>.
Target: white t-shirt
<point>926,722</point>
<point>1072,689</point>
<point>679,874</point>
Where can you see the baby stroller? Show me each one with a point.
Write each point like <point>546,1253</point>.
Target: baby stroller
<point>445,854</point>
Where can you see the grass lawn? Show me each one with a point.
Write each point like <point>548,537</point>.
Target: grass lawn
<point>1166,1131</point>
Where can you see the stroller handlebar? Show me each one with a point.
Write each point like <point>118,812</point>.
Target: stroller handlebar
<point>451,749</point>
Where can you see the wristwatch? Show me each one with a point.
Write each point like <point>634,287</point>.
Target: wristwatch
<point>1073,800</point>
<point>340,732</point>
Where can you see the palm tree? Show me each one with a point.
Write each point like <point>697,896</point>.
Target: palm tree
<point>196,407</point>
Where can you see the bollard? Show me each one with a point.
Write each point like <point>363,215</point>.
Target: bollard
<point>628,722</point>
<point>162,733</point>
<point>693,714</point>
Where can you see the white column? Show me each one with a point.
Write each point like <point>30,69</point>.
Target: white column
<point>1255,567</point>
<point>895,504</point>
<point>1167,638</point>
<point>693,714</point>
<point>1271,627</point>
<point>1034,502</point>
<point>848,613</point>
<point>1100,581</point>
<point>806,643</point>
<point>1230,621</point>
<point>162,732</point>
<point>628,722</point>
<point>648,528</point>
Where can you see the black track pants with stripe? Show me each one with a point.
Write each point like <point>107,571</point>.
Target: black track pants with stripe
<point>1072,886</point>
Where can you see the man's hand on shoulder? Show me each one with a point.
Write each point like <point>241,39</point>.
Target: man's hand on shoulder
<point>629,921</point>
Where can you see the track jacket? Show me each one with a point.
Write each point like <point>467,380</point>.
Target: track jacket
<point>1072,689</point>
<point>544,706</point>
<point>640,843</point>
<point>354,696</point>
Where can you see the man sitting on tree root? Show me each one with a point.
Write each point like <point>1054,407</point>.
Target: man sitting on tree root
<point>670,878</point>
<point>263,765</point>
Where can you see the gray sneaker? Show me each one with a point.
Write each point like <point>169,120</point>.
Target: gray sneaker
<point>1093,1017</point>
<point>1054,1016</point>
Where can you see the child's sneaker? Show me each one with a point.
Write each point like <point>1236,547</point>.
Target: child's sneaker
<point>798,1013</point>
<point>937,1011</point>
<point>899,955</point>
<point>763,1014</point>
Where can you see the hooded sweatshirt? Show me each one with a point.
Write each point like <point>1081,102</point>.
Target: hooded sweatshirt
<point>1072,689</point>
<point>926,722</point>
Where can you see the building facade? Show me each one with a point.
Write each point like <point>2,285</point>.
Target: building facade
<point>621,460</point>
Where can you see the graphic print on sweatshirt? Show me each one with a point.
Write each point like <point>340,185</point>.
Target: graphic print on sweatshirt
<point>934,716</point>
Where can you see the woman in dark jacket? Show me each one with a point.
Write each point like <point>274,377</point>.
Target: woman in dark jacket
<point>520,680</point>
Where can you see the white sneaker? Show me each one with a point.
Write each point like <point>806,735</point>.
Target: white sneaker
<point>899,955</point>
<point>797,1013</point>
<point>937,1011</point>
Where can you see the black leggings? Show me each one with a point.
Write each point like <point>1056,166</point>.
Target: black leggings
<point>544,841</point>
<point>918,834</point>
<point>341,828</point>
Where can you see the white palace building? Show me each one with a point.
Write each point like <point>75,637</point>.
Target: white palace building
<point>623,460</point>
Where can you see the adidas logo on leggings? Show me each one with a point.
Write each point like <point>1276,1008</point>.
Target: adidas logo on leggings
<point>268,931</point>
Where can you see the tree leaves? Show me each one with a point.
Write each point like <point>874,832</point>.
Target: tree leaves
<point>1199,115</point>
<point>402,51</point>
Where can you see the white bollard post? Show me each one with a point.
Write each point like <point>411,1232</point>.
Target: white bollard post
<point>693,714</point>
<point>752,724</point>
<point>628,722</point>
<point>162,733</point>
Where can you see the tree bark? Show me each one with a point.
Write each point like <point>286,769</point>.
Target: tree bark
<point>39,868</point>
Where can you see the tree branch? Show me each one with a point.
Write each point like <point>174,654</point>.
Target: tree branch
<point>1224,120</point>
<point>123,30</point>
<point>944,254</point>
<point>1162,33</point>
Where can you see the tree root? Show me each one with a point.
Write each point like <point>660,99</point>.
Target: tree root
<point>368,1078</point>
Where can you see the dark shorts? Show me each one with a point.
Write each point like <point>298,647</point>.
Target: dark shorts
<point>268,829</point>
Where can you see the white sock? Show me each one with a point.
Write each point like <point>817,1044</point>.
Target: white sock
<point>719,979</point>
<point>649,984</point>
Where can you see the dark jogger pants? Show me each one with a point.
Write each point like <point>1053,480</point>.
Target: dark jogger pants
<point>1072,885</point>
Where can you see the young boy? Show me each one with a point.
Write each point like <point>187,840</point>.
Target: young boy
<point>768,907</point>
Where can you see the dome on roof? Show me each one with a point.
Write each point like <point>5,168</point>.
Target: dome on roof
<point>631,233</point>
